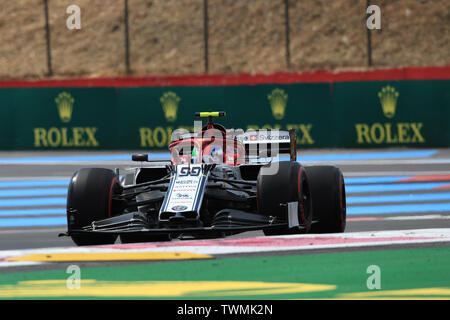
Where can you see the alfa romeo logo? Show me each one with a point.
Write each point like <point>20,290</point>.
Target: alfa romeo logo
<point>179,208</point>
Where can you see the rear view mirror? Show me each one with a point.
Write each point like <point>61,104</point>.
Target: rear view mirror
<point>140,157</point>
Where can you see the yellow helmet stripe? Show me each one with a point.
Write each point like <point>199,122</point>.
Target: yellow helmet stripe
<point>210,114</point>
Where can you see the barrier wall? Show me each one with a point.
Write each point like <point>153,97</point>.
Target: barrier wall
<point>388,108</point>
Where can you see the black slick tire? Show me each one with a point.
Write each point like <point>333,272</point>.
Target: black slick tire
<point>89,199</point>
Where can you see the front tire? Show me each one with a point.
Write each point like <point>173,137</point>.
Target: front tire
<point>89,199</point>
<point>289,184</point>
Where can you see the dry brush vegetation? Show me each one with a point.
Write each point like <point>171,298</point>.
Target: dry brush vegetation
<point>245,36</point>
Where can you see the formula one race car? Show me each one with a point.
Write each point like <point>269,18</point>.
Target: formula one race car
<point>218,182</point>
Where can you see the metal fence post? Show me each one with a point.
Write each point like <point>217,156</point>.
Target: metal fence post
<point>127,39</point>
<point>288,42</point>
<point>369,41</point>
<point>206,34</point>
<point>47,37</point>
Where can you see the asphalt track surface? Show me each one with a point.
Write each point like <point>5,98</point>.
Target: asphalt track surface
<point>388,189</point>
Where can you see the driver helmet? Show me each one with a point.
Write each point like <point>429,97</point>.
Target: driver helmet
<point>216,154</point>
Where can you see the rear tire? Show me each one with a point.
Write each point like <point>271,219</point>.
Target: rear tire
<point>328,195</point>
<point>89,199</point>
<point>289,184</point>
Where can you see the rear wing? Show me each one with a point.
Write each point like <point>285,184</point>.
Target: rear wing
<point>269,143</point>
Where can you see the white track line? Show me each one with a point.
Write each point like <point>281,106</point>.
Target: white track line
<point>425,217</point>
<point>257,244</point>
<point>19,263</point>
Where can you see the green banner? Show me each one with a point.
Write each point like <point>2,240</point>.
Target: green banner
<point>402,113</point>
<point>324,115</point>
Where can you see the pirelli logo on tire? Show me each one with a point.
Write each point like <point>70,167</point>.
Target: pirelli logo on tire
<point>65,137</point>
<point>389,132</point>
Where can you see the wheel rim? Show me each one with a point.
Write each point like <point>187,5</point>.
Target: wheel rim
<point>304,199</point>
<point>306,203</point>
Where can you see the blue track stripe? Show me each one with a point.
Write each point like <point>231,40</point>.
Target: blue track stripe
<point>33,192</point>
<point>382,179</point>
<point>399,198</point>
<point>33,222</point>
<point>401,208</point>
<point>65,182</point>
<point>166,155</point>
<point>393,187</point>
<point>368,156</point>
<point>34,183</point>
<point>87,158</point>
<point>63,159</point>
<point>32,212</point>
<point>33,202</point>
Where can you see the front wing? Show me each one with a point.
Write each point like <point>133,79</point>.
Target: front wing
<point>226,222</point>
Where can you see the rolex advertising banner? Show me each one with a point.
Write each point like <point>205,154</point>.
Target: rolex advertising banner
<point>402,113</point>
<point>324,115</point>
<point>155,113</point>
<point>58,119</point>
